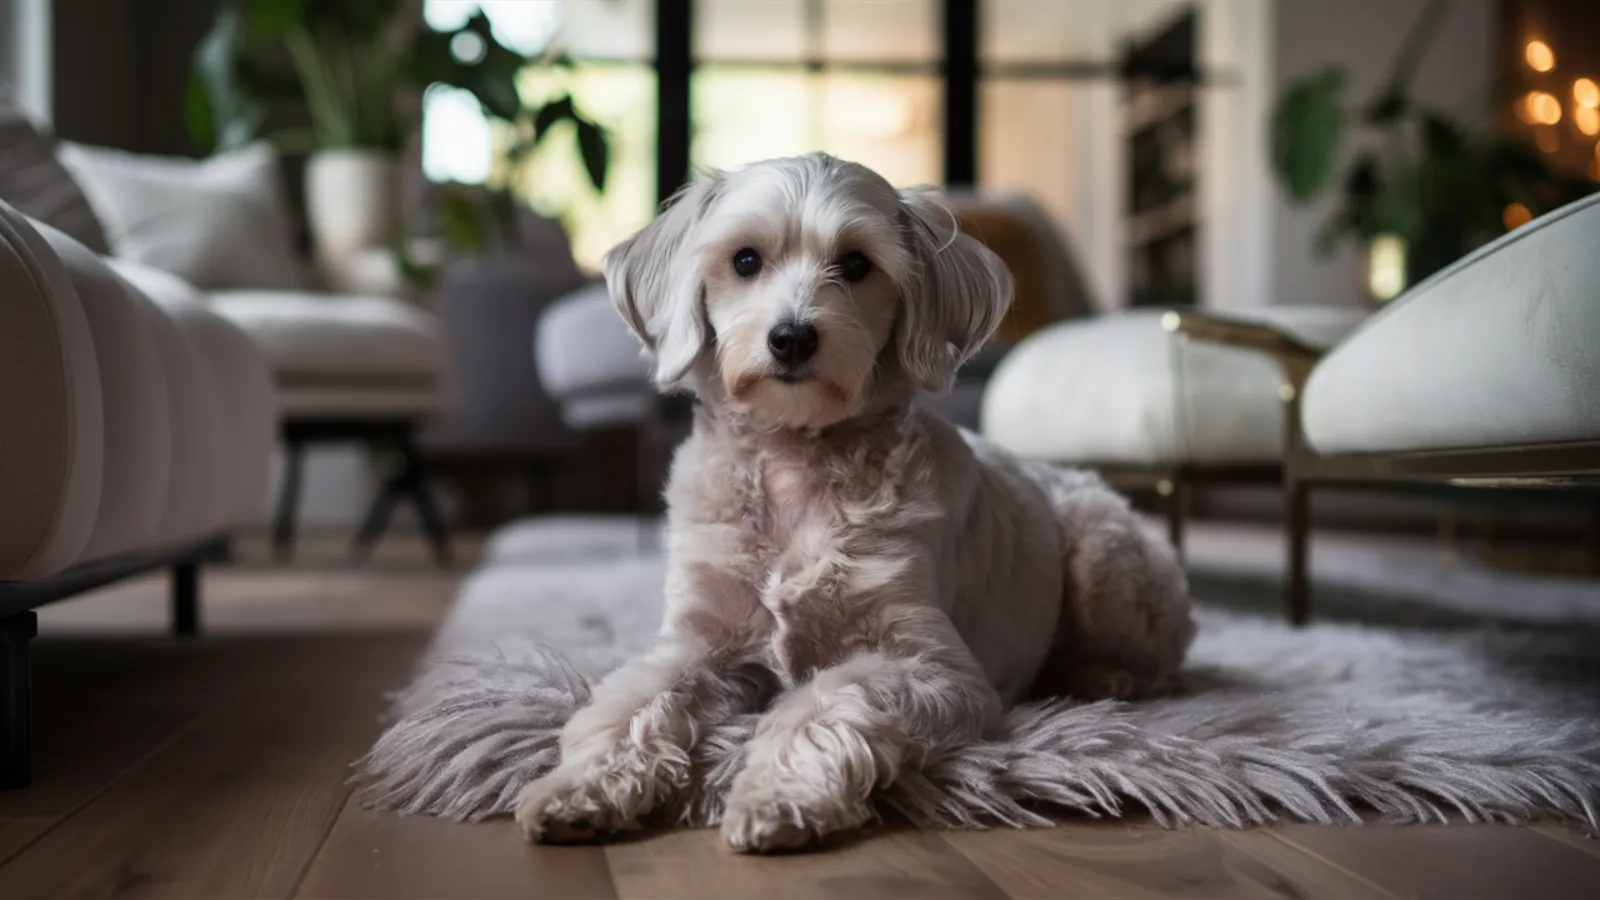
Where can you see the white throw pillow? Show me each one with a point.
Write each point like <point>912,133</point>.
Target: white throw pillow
<point>221,222</point>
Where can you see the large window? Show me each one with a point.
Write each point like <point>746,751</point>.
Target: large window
<point>1035,103</point>
<point>856,79</point>
<point>613,81</point>
<point>772,78</point>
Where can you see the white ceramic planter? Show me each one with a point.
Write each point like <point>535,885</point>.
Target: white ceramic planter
<point>352,201</point>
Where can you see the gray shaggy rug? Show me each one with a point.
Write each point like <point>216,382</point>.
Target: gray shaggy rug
<point>1334,723</point>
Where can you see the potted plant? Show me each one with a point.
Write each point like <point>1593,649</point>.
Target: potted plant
<point>1426,188</point>
<point>349,63</point>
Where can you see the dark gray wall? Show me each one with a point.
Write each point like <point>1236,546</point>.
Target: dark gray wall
<point>120,67</point>
<point>1365,36</point>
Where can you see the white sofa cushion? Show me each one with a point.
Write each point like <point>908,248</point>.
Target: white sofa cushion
<point>130,422</point>
<point>221,222</point>
<point>243,384</point>
<point>1120,389</point>
<point>338,355</point>
<point>51,440</point>
<point>1501,348</point>
<point>137,421</point>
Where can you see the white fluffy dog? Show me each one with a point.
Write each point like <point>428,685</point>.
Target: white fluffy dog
<point>881,584</point>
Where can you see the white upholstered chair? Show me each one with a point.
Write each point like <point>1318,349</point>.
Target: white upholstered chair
<point>1485,376</point>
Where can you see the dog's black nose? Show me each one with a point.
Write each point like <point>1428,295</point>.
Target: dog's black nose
<point>792,343</point>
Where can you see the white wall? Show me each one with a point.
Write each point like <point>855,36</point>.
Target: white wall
<point>1059,142</point>
<point>1364,36</point>
<point>1063,144</point>
<point>1235,191</point>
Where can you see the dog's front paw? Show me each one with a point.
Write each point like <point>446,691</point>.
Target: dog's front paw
<point>768,816</point>
<point>566,807</point>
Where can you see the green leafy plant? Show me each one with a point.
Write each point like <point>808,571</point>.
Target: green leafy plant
<point>335,56</point>
<point>343,61</point>
<point>1438,181</point>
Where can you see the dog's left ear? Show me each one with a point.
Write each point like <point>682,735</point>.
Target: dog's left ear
<point>955,299</point>
<point>656,286</point>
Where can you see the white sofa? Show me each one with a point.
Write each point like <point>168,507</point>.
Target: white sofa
<point>347,368</point>
<point>139,427</point>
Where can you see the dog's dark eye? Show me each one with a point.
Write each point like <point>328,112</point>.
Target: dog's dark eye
<point>854,266</point>
<point>746,263</point>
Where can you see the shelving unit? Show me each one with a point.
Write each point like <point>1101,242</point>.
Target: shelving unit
<point>1160,127</point>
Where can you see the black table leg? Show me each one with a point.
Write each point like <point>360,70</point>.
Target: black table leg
<point>186,599</point>
<point>288,501</point>
<point>377,518</point>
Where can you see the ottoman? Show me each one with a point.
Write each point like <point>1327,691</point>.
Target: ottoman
<point>349,369</point>
<point>1122,394</point>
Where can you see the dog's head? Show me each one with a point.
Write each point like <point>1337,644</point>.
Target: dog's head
<point>796,283</point>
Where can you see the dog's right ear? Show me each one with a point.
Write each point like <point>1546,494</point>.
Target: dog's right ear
<point>655,284</point>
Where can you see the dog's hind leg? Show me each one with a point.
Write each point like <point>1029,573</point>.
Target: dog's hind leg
<point>1125,624</point>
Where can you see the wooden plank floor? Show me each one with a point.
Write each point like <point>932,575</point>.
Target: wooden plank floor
<point>215,769</point>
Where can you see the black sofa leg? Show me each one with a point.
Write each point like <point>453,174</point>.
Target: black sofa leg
<point>16,701</point>
<point>186,599</point>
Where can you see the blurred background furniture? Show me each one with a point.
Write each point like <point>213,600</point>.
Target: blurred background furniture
<point>1149,409</point>
<point>346,368</point>
<point>366,370</point>
<point>498,423</point>
<point>139,429</point>
<point>1429,392</point>
<point>1050,286</point>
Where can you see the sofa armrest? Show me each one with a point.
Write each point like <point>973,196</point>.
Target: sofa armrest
<point>1294,356</point>
<point>1268,339</point>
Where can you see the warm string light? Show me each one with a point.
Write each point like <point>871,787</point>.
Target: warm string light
<point>1586,93</point>
<point>1539,56</point>
<point>1587,118</point>
<point>1541,108</point>
<point>1515,216</point>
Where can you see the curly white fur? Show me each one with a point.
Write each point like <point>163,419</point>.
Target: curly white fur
<point>879,584</point>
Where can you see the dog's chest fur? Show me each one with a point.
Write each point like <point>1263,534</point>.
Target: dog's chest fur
<point>826,514</point>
